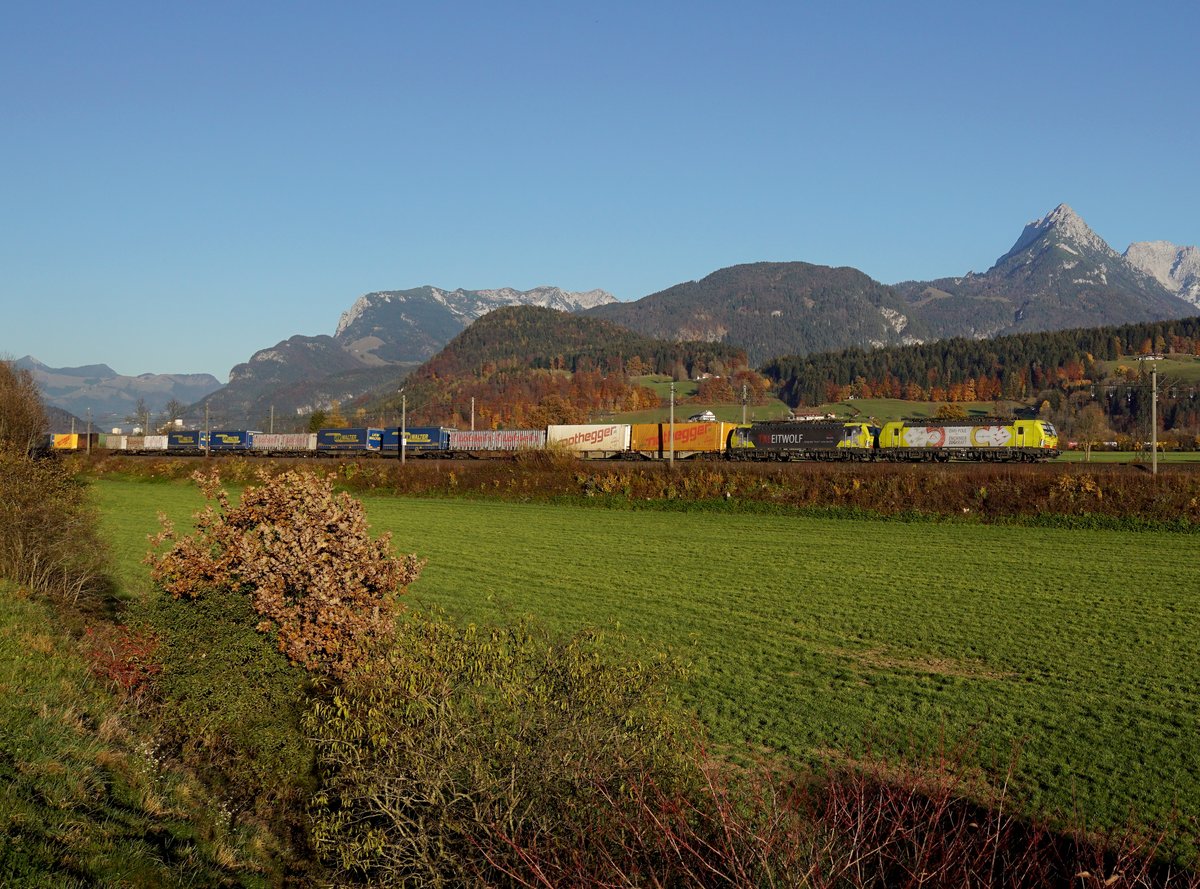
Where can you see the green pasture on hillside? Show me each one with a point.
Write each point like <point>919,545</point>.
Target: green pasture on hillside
<point>1176,368</point>
<point>773,409</point>
<point>814,637</point>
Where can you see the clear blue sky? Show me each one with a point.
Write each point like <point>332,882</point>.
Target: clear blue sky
<point>186,183</point>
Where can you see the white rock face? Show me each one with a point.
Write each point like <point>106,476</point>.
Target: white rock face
<point>1175,268</point>
<point>895,319</point>
<point>1066,225</point>
<point>467,305</point>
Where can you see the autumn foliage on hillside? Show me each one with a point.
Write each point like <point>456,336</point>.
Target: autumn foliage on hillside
<point>529,367</point>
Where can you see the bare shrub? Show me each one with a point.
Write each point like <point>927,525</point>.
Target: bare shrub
<point>475,757</point>
<point>48,538</point>
<point>22,416</point>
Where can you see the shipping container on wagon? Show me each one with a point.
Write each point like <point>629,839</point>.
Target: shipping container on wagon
<point>186,440</point>
<point>74,441</point>
<point>654,439</point>
<point>113,441</point>
<point>594,438</point>
<point>284,442</point>
<point>230,439</point>
<point>363,439</point>
<point>497,439</point>
<point>418,440</point>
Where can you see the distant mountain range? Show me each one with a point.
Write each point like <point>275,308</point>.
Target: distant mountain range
<point>109,395</point>
<point>1059,274</point>
<point>378,340</point>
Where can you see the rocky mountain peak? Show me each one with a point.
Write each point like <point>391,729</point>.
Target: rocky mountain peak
<point>1063,227</point>
<point>1175,268</point>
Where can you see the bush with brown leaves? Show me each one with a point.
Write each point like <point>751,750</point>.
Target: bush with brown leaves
<point>303,555</point>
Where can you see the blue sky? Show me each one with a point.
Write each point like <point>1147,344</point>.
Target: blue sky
<point>184,184</point>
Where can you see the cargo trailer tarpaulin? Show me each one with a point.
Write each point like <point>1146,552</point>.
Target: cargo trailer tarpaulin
<point>285,441</point>
<point>360,438</point>
<point>497,439</point>
<point>612,438</point>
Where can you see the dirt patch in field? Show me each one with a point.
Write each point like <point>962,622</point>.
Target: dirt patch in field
<point>880,658</point>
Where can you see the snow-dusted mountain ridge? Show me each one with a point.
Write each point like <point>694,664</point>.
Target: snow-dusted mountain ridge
<point>472,304</point>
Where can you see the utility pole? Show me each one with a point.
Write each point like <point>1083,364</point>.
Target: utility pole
<point>403,425</point>
<point>89,433</point>
<point>472,413</point>
<point>271,428</point>
<point>207,434</point>
<point>1154,418</point>
<point>671,459</point>
<point>1153,410</point>
<point>743,404</point>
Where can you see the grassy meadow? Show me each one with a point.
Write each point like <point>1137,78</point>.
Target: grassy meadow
<point>82,801</point>
<point>821,638</point>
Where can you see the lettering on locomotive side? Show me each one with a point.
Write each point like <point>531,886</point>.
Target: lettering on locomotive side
<point>784,438</point>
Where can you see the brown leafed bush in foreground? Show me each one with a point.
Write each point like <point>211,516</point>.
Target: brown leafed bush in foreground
<point>305,558</point>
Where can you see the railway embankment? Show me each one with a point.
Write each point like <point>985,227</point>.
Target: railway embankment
<point>1118,497</point>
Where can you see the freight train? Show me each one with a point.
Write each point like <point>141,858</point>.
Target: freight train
<point>990,439</point>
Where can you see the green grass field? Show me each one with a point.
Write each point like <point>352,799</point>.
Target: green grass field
<point>80,804</point>
<point>1140,457</point>
<point>811,637</point>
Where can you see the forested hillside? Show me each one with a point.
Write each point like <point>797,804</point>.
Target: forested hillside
<point>529,366</point>
<point>1091,364</point>
<point>771,308</point>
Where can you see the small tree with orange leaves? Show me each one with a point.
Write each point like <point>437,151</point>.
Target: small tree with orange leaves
<point>303,555</point>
